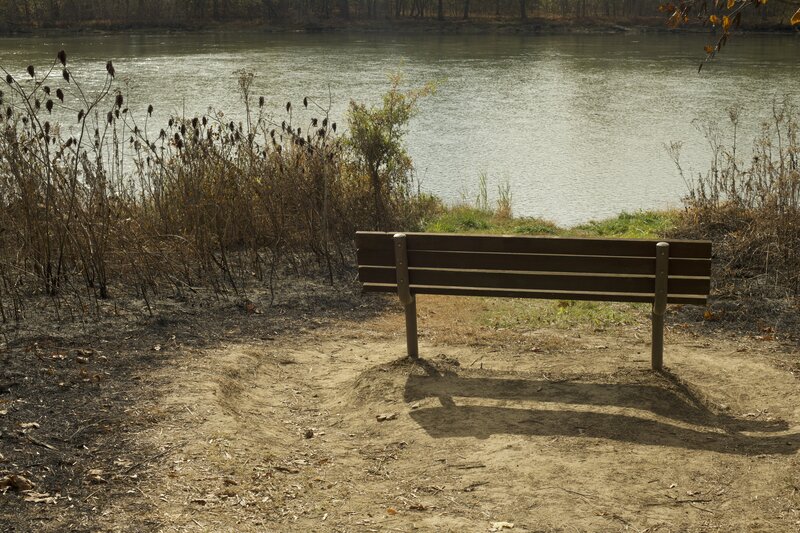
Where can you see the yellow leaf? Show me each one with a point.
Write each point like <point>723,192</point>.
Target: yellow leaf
<point>708,48</point>
<point>731,3</point>
<point>726,23</point>
<point>796,18</point>
<point>713,19</point>
<point>391,511</point>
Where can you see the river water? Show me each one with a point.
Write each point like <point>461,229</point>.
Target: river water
<point>576,124</point>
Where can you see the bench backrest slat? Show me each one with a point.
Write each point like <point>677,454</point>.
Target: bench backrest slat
<point>534,280</point>
<point>544,295</point>
<point>536,267</point>
<point>373,240</point>
<point>597,264</point>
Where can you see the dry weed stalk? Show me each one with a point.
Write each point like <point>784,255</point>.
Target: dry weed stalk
<point>751,210</point>
<point>96,201</point>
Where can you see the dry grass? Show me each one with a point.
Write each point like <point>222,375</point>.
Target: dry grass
<point>750,209</point>
<point>114,205</point>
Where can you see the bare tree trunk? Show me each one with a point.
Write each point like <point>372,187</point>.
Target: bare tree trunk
<point>440,14</point>
<point>523,10</point>
<point>466,9</point>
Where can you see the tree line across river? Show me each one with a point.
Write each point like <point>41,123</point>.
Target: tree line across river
<point>24,14</point>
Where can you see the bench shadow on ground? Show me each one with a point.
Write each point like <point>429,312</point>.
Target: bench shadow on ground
<point>662,394</point>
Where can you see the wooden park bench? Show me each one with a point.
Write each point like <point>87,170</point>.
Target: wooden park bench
<point>615,270</point>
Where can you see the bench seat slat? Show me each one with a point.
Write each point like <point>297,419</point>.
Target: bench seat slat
<point>694,299</point>
<point>542,245</point>
<point>534,280</point>
<point>536,262</point>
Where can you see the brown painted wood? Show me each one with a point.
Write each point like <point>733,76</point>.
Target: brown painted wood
<point>698,299</point>
<point>536,262</point>
<point>404,292</point>
<point>534,281</point>
<point>538,245</point>
<point>660,305</point>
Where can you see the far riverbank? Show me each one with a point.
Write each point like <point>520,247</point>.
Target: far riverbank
<point>474,26</point>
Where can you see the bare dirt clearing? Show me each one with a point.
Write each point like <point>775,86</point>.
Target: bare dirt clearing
<point>324,426</point>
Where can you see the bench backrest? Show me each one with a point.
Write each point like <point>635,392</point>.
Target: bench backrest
<point>621,270</point>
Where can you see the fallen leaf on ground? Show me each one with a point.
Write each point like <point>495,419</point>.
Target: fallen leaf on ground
<point>95,475</point>
<point>17,482</point>
<point>391,510</point>
<point>386,417</point>
<point>499,526</point>
<point>29,425</point>
<point>40,497</point>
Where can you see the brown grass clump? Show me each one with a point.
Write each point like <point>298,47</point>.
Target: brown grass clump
<point>751,210</point>
<point>95,201</point>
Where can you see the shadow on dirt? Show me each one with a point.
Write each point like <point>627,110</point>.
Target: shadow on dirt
<point>664,395</point>
<point>75,397</point>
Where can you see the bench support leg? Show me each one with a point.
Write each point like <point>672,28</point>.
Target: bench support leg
<point>404,292</point>
<point>411,329</point>
<point>660,304</point>
<point>657,358</point>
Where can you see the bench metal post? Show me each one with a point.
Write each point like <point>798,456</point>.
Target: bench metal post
<point>404,292</point>
<point>660,304</point>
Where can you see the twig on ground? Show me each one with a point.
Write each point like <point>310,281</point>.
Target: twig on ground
<point>41,443</point>
<point>153,458</point>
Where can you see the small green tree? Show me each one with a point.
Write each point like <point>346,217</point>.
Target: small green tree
<point>376,140</point>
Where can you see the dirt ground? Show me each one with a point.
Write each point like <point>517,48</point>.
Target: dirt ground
<point>242,417</point>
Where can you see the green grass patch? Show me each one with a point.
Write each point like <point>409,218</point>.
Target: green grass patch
<point>562,314</point>
<point>465,219</point>
<point>638,225</point>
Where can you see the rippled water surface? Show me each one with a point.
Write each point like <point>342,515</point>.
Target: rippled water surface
<point>575,123</point>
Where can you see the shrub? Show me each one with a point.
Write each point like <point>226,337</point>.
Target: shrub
<point>376,144</point>
<point>751,210</point>
<point>95,201</point>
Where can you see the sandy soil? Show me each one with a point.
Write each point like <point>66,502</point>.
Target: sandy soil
<point>270,422</point>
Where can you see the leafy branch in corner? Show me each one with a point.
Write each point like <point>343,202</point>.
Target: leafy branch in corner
<point>723,14</point>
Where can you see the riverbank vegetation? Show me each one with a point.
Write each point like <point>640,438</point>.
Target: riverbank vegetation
<point>749,205</point>
<point>97,201</point>
<point>320,14</point>
<point>100,202</point>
